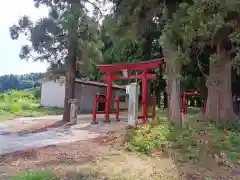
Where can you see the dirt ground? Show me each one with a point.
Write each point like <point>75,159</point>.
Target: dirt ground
<point>104,158</point>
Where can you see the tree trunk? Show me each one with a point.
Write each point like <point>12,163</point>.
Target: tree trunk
<point>169,87</point>
<point>173,84</point>
<point>72,58</point>
<point>174,113</point>
<point>219,101</point>
<point>165,99</point>
<point>158,93</point>
<point>70,82</point>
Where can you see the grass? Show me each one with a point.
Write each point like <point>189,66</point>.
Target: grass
<point>34,176</point>
<point>23,104</point>
<point>197,140</point>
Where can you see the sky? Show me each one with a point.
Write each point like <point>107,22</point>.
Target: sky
<point>9,50</point>
<point>10,13</point>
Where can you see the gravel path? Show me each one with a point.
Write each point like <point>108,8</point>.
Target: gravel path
<point>84,130</point>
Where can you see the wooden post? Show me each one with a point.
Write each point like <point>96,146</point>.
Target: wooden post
<point>94,119</point>
<point>108,98</point>
<point>145,96</point>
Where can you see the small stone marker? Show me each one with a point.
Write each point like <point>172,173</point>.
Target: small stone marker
<point>132,91</point>
<point>74,103</point>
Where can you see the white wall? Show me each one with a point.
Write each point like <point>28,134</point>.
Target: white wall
<point>52,94</point>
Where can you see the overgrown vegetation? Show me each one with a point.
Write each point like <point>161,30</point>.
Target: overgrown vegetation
<point>198,139</point>
<point>24,103</point>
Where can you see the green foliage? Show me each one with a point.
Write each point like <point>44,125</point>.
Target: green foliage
<point>34,176</point>
<point>67,24</point>
<point>19,82</point>
<point>37,92</point>
<point>129,34</point>
<point>23,103</point>
<point>195,140</point>
<point>214,23</point>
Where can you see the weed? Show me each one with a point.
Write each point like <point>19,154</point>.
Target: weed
<point>197,139</point>
<point>24,104</point>
<point>34,176</point>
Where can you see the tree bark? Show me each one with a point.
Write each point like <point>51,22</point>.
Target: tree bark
<point>174,100</point>
<point>173,82</point>
<point>70,82</point>
<point>165,100</point>
<point>219,101</point>
<point>72,59</point>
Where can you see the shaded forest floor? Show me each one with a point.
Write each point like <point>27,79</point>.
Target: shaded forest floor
<point>200,150</point>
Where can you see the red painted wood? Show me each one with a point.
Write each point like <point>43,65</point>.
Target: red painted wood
<point>108,98</point>
<point>149,76</point>
<point>192,93</point>
<point>136,66</point>
<point>143,66</point>
<point>145,96</point>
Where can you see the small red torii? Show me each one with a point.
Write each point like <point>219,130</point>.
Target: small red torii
<point>190,92</point>
<point>144,76</point>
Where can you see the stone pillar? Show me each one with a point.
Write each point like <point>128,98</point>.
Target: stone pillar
<point>132,91</point>
<point>74,103</point>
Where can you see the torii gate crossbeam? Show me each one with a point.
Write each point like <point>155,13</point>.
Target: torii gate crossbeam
<point>140,66</point>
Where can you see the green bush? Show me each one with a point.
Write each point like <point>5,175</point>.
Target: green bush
<point>34,176</point>
<point>196,139</point>
<point>17,101</point>
<point>16,94</point>
<point>23,103</point>
<point>37,92</point>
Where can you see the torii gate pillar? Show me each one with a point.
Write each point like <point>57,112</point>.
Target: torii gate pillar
<point>140,66</point>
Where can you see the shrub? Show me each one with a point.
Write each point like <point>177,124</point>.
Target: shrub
<point>16,94</point>
<point>196,139</point>
<point>37,92</point>
<point>23,103</point>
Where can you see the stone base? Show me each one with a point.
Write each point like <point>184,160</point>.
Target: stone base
<point>107,121</point>
<point>73,122</point>
<point>94,122</point>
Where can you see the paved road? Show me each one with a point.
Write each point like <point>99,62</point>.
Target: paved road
<point>84,130</point>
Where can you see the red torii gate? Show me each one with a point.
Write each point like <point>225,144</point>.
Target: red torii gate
<point>190,92</point>
<point>141,66</point>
